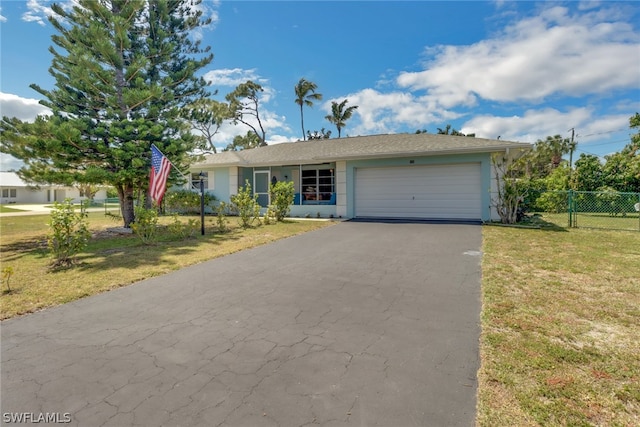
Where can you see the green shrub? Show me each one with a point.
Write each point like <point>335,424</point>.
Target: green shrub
<point>282,194</point>
<point>68,233</point>
<point>186,201</point>
<point>246,206</point>
<point>146,224</point>
<point>183,230</point>
<point>221,217</point>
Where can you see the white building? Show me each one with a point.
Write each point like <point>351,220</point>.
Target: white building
<point>14,190</point>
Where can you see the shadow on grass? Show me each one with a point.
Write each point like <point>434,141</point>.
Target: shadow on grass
<point>130,252</point>
<point>543,224</point>
<point>20,248</point>
<point>536,222</point>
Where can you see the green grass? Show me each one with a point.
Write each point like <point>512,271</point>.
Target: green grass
<point>7,209</point>
<point>631,221</point>
<point>111,261</point>
<point>560,327</point>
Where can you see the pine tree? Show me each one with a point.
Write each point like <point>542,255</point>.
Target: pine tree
<point>123,69</point>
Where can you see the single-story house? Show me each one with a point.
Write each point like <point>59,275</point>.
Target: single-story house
<point>427,176</point>
<point>14,190</point>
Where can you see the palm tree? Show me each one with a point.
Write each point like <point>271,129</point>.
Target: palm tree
<point>305,95</point>
<point>339,115</point>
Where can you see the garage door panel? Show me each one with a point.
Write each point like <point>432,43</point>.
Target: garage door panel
<point>439,192</point>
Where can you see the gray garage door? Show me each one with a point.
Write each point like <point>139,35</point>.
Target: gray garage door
<point>431,192</point>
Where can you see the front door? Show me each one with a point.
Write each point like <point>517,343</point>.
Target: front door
<point>261,186</point>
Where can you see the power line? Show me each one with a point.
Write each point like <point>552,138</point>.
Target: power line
<point>607,143</point>
<point>603,133</point>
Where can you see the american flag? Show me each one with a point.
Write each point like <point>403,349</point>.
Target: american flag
<point>160,168</point>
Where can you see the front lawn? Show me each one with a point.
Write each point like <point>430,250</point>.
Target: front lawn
<point>7,209</point>
<point>560,339</point>
<point>111,261</point>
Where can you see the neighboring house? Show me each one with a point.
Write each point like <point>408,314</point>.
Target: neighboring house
<point>426,176</point>
<point>14,190</point>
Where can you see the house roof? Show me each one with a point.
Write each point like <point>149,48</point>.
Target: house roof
<point>11,179</point>
<point>359,147</point>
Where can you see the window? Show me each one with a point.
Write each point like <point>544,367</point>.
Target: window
<point>318,186</point>
<point>9,192</point>
<point>195,180</point>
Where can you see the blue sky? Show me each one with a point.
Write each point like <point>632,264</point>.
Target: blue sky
<point>518,70</point>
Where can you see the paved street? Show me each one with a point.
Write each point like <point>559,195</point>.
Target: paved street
<point>357,324</point>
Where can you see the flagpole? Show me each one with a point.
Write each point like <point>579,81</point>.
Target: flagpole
<point>174,166</point>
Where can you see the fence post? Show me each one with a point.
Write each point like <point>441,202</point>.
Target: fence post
<point>570,209</point>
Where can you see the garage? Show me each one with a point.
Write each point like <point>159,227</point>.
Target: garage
<point>450,191</point>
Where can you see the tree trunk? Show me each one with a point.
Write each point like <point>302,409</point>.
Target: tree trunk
<point>125,194</point>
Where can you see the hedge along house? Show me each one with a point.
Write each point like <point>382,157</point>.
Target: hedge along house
<point>417,176</point>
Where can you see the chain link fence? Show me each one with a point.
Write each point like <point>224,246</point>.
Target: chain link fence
<point>612,210</point>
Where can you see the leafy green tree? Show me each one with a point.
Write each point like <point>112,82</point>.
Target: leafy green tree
<point>240,142</point>
<point>545,156</point>
<point>244,103</point>
<point>588,173</point>
<point>622,169</point>
<point>122,70</point>
<point>339,114</point>
<point>554,187</point>
<point>206,117</point>
<point>305,95</point>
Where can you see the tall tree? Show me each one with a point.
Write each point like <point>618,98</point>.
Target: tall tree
<point>206,117</point>
<point>588,173</point>
<point>339,115</point>
<point>123,70</point>
<point>545,156</point>
<point>622,170</point>
<point>240,142</point>
<point>244,107</point>
<point>305,95</point>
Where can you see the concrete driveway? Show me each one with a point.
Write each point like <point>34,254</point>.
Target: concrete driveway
<point>360,324</point>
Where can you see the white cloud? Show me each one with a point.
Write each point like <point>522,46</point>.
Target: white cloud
<point>232,76</point>
<point>380,113</point>
<point>25,109</point>
<point>538,57</point>
<point>538,124</point>
<point>39,12</point>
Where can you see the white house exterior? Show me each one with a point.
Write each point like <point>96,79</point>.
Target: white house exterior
<point>417,176</point>
<point>14,190</point>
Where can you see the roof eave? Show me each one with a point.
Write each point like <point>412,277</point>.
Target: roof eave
<point>473,150</point>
